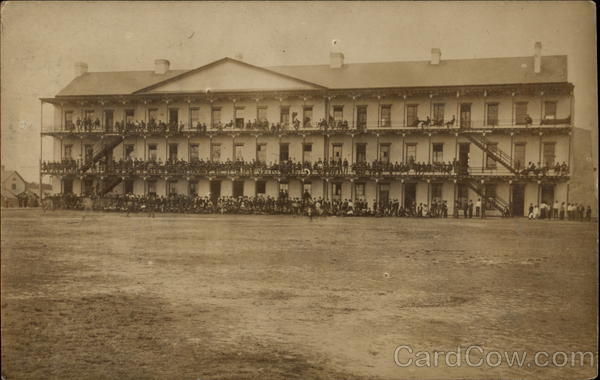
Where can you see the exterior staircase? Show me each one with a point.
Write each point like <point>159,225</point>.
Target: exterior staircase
<point>498,155</point>
<point>497,202</point>
<point>109,184</point>
<point>100,149</point>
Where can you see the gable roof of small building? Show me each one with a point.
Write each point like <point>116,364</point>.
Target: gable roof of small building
<point>452,72</point>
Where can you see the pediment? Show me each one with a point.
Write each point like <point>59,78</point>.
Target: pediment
<point>229,75</point>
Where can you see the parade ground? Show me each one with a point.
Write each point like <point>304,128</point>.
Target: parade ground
<point>90,295</point>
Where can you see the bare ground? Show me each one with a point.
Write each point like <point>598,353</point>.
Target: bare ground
<point>104,296</point>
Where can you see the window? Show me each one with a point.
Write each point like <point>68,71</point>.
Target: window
<point>519,156</point>
<point>13,186</point>
<point>384,153</point>
<point>336,191</point>
<point>238,152</point>
<point>152,152</point>
<point>194,116</point>
<point>194,152</point>
<point>436,192</point>
<point>88,154</point>
<point>173,152</point>
<point>261,153</point>
<point>307,153</point>
<point>193,188</point>
<point>68,152</point>
<point>306,188</point>
<point>151,187</point>
<point>490,163</point>
<point>128,186</point>
<point>307,115</point>
<point>284,115</point>
<point>153,114</point>
<point>549,110</point>
<point>261,114</point>
<point>465,115</point>
<point>129,148</point>
<point>239,117</point>
<point>89,114</point>
<point>284,152</point>
<point>361,152</point>
<point>520,113</point>
<point>492,114</point>
<point>438,152</point>
<point>386,115</point>
<point>338,113</point>
<point>336,152</point>
<point>438,113</point>
<point>412,115</point>
<point>359,190</point>
<point>69,119</point>
<point>411,152</point>
<point>548,151</point>
<point>215,152</point>
<point>171,187</point>
<point>261,187</point>
<point>174,116</point>
<point>215,117</point>
<point>129,116</point>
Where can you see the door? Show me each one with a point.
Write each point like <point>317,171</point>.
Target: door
<point>89,152</point>
<point>463,157</point>
<point>548,194</point>
<point>410,194</point>
<point>284,152</point>
<point>215,190</point>
<point>384,153</point>
<point>518,199</point>
<point>336,152</point>
<point>384,193</point>
<point>261,153</point>
<point>361,117</point>
<point>307,153</point>
<point>238,189</point>
<point>361,152</point>
<point>172,152</point>
<point>173,116</point>
<point>465,115</point>
<point>519,156</point>
<point>108,120</point>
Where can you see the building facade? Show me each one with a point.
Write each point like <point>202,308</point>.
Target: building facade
<point>494,129</point>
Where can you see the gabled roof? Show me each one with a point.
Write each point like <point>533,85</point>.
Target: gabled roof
<point>452,72</point>
<point>221,61</point>
<point>9,173</point>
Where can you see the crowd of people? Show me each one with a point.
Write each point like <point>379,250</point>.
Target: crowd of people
<point>136,166</point>
<point>260,204</point>
<point>560,211</point>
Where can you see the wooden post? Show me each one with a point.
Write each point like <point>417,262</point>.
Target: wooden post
<point>41,145</point>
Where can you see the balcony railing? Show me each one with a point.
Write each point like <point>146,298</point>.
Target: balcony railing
<point>203,168</point>
<point>140,128</point>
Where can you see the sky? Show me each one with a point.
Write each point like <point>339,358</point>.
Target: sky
<point>41,41</point>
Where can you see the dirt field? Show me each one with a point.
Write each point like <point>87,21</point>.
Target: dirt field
<point>278,297</point>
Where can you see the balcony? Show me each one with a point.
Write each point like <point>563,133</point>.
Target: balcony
<point>288,169</point>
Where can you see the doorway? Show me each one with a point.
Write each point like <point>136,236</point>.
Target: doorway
<point>465,115</point>
<point>108,120</point>
<point>463,157</point>
<point>215,190</point>
<point>238,189</point>
<point>361,117</point>
<point>518,199</point>
<point>410,195</point>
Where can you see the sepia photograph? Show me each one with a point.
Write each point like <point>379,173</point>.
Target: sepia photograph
<point>312,190</point>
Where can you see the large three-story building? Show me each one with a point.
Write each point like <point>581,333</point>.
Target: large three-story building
<point>504,125</point>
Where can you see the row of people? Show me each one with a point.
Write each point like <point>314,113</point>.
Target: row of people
<point>560,211</point>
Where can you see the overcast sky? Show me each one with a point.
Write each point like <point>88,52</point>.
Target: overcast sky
<point>42,41</point>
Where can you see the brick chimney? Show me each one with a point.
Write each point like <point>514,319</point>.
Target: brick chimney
<point>537,58</point>
<point>80,68</point>
<point>436,56</point>
<point>336,60</point>
<point>161,66</point>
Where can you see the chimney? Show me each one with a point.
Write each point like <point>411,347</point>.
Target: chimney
<point>161,66</point>
<point>336,60</point>
<point>436,55</point>
<point>537,58</point>
<point>80,68</point>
